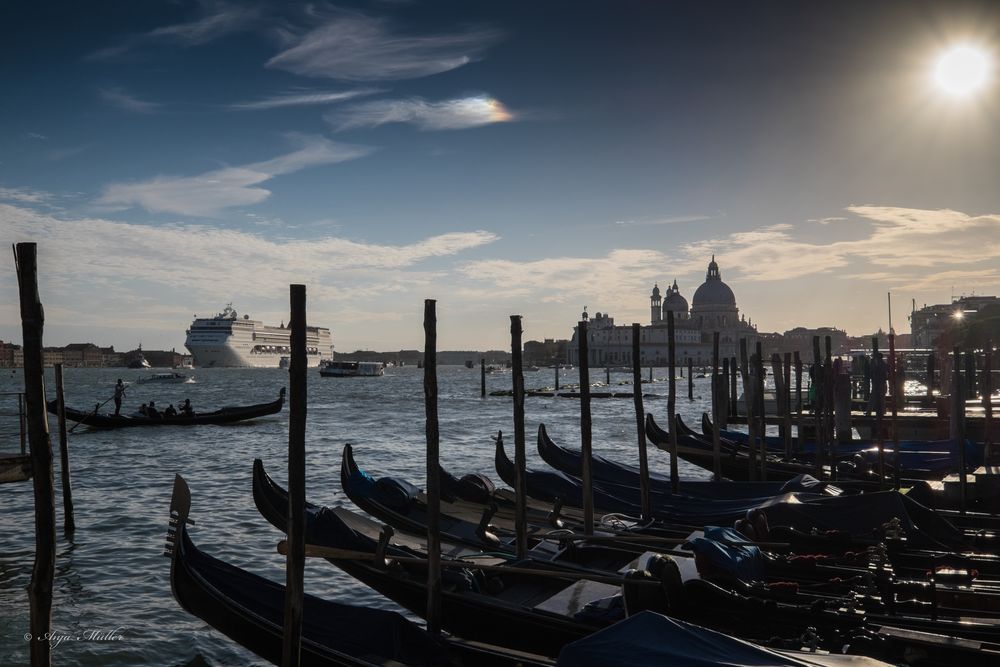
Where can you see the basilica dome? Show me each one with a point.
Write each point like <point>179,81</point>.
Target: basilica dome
<point>674,300</point>
<point>713,292</point>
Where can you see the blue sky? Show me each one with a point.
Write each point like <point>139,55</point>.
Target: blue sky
<point>531,158</point>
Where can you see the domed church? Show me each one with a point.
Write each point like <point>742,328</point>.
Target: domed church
<point>713,308</point>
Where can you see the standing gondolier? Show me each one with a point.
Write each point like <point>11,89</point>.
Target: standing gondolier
<point>119,395</point>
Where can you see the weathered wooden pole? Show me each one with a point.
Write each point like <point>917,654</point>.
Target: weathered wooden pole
<point>988,385</point>
<point>482,378</point>
<point>787,378</point>
<point>22,424</point>
<point>734,403</point>
<point>69,524</point>
<point>650,373</point>
<point>958,424</point>
<point>970,375</point>
<point>749,404</point>
<point>778,372</point>
<point>761,406</point>
<point>607,374</point>
<point>897,400</point>
<point>520,490</point>
<point>724,395</point>
<point>640,419</point>
<point>671,403</point>
<point>557,376</point>
<point>585,430</point>
<point>801,425</point>
<point>828,406</point>
<point>433,478</point>
<point>690,379</point>
<point>32,324</point>
<point>930,374</point>
<point>295,560</point>
<point>817,406</point>
<point>718,390</point>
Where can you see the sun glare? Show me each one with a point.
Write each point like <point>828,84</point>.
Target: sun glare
<point>962,70</point>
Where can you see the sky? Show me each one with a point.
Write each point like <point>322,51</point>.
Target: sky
<point>503,158</point>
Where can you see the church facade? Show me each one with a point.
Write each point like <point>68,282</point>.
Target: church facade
<point>713,308</point>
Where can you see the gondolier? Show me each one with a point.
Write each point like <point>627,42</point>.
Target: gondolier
<point>119,395</point>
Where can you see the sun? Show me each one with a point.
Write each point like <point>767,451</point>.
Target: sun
<point>962,70</point>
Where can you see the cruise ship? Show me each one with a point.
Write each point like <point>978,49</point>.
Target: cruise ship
<point>230,341</point>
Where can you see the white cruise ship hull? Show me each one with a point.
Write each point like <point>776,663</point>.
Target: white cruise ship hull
<point>225,341</point>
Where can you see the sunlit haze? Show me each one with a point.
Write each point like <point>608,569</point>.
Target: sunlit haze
<point>962,70</point>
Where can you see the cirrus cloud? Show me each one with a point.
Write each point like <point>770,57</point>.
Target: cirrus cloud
<point>455,114</point>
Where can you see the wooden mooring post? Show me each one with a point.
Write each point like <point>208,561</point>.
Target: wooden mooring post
<point>585,430</point>
<point>690,379</point>
<point>43,573</point>
<point>958,424</point>
<point>69,523</point>
<point>748,403</point>
<point>607,374</point>
<point>724,395</point>
<point>718,391</point>
<point>897,399</point>
<point>787,379</point>
<point>482,378</point>
<point>761,410</point>
<point>817,405</point>
<point>557,376</point>
<point>672,402</point>
<point>296,534</point>
<point>433,477</point>
<point>800,427</point>
<point>733,396</point>
<point>520,490</point>
<point>931,359</point>
<point>640,418</point>
<point>988,401</point>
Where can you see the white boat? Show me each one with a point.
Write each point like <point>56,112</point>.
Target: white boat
<point>166,377</point>
<point>342,369</point>
<point>230,341</point>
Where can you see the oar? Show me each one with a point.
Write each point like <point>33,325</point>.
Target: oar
<point>90,415</point>
<point>316,551</point>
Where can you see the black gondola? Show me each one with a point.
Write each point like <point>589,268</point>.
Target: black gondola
<point>226,415</point>
<point>249,609</point>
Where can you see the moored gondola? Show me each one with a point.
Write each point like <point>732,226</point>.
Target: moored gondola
<point>250,610</point>
<point>227,415</point>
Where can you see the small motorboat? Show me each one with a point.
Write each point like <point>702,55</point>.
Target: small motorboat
<point>176,378</point>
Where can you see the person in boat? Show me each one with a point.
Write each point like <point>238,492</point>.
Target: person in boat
<point>119,395</point>
<point>143,410</point>
<point>171,411</point>
<point>152,412</point>
<point>186,409</point>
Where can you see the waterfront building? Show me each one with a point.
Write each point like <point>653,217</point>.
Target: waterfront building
<point>713,308</point>
<point>930,323</point>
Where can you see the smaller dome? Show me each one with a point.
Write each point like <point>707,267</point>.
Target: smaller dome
<point>674,301</point>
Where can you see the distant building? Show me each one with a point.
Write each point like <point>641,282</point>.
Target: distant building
<point>545,353</point>
<point>713,308</point>
<point>928,324</point>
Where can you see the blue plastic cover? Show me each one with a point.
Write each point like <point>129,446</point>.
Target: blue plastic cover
<point>743,561</point>
<point>649,639</point>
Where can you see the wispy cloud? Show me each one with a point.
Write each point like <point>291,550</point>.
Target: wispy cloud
<point>207,194</point>
<point>668,220</point>
<point>355,47</point>
<point>24,195</point>
<point>303,98</point>
<point>123,100</point>
<point>87,260</point>
<point>36,136</point>
<point>59,154</point>
<point>456,114</point>
<point>217,19</point>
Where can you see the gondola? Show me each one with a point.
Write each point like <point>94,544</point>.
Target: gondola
<point>249,609</point>
<point>541,614</point>
<point>226,415</point>
<point>859,517</point>
<point>612,472</point>
<point>920,459</point>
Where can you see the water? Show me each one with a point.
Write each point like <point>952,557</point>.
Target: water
<point>112,578</point>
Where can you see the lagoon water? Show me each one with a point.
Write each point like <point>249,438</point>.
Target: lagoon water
<point>111,576</point>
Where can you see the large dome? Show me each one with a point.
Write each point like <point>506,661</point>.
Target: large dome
<point>713,292</point>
